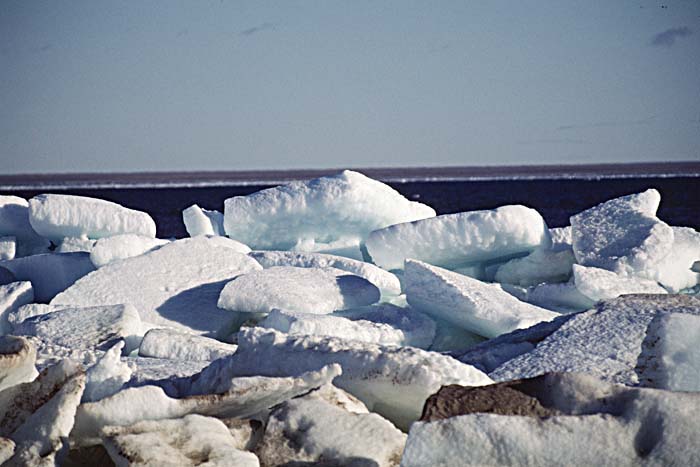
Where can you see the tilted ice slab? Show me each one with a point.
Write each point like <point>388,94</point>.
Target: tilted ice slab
<point>50,274</point>
<point>622,235</point>
<point>239,397</point>
<point>600,284</point>
<point>174,286</point>
<point>455,240</point>
<point>17,357</point>
<point>605,341</point>
<point>305,290</point>
<point>168,343</point>
<point>562,297</point>
<point>123,246</point>
<point>58,216</point>
<point>108,375</point>
<point>309,429</point>
<point>8,247</point>
<point>596,424</point>
<point>474,305</point>
<point>185,442</point>
<point>13,296</point>
<point>393,381</point>
<point>670,357</point>
<point>200,221</point>
<point>542,265</point>
<point>342,206</point>
<point>38,415</point>
<point>14,221</point>
<point>387,282</point>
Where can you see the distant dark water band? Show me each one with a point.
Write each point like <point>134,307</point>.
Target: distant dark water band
<point>556,199</point>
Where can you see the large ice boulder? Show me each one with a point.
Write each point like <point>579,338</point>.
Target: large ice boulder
<point>469,303</point>
<point>200,221</point>
<point>462,239</point>
<point>305,290</point>
<point>58,216</point>
<point>622,235</point>
<point>348,205</point>
<point>14,222</point>
<point>176,285</point>
<point>123,246</point>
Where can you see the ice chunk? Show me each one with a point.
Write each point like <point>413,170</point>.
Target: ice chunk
<point>449,337</point>
<point>343,206</point>
<point>600,284</point>
<point>200,221</point>
<point>107,376</point>
<point>162,372</point>
<point>393,381</point>
<point>75,244</point>
<point>168,343</point>
<point>471,304</point>
<point>186,441</point>
<point>345,247</point>
<point>50,273</point>
<point>309,429</point>
<point>562,238</point>
<point>31,309</point>
<point>174,286</point>
<point>670,357</point>
<point>124,246</point>
<point>8,247</point>
<point>387,282</point>
<point>7,449</point>
<point>538,267</point>
<point>306,290</point>
<point>456,240</point>
<point>14,221</point>
<point>605,342</point>
<point>622,235</point>
<point>13,296</point>
<point>58,216</point>
<point>675,271</point>
<point>564,297</point>
<point>17,356</point>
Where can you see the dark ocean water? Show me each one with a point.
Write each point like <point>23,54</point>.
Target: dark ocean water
<point>555,199</point>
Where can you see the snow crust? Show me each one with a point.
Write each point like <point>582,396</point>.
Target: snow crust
<point>200,221</point>
<point>123,246</point>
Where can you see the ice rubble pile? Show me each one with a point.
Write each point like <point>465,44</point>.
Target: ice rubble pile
<point>362,329</point>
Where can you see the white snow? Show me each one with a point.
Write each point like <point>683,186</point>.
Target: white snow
<point>75,244</point>
<point>670,357</point>
<point>14,221</point>
<point>482,308</point>
<point>172,344</point>
<point>8,247</point>
<point>200,221</point>
<point>107,376</point>
<point>343,206</point>
<point>345,247</point>
<point>174,286</point>
<point>538,267</point>
<point>622,235</point>
<point>306,290</point>
<point>675,271</point>
<point>58,216</point>
<point>387,282</point>
<point>457,240</point>
<point>30,309</point>
<point>124,246</point>
<point>50,273</point>
<point>13,296</point>
<point>17,357</point>
<point>563,297</point>
<point>600,284</point>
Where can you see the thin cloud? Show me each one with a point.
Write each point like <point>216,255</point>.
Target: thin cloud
<point>605,124</point>
<point>256,29</point>
<point>668,37</point>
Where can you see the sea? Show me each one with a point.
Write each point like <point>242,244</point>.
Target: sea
<point>557,192</point>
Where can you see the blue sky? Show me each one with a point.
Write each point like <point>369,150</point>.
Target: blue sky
<point>232,85</point>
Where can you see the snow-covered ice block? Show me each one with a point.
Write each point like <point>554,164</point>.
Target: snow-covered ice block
<point>600,284</point>
<point>393,381</point>
<point>239,397</point>
<point>14,221</point>
<point>457,240</point>
<point>343,206</point>
<point>306,290</point>
<point>175,286</point>
<point>13,296</point>
<point>8,247</point>
<point>30,309</point>
<point>622,235</point>
<point>162,372</point>
<point>74,245</point>
<point>590,423</point>
<point>561,297</point>
<point>309,429</point>
<point>605,341</point>
<point>38,415</point>
<point>84,329</point>
<point>169,343</point>
<point>675,271</point>
<point>186,441</point>
<point>345,247</point>
<point>538,267</point>
<point>124,246</point>
<point>469,303</point>
<point>107,376</point>
<point>670,357</point>
<point>387,282</point>
<point>17,357</point>
<point>58,216</point>
<point>200,221</point>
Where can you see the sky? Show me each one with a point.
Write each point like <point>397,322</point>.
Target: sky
<point>117,86</point>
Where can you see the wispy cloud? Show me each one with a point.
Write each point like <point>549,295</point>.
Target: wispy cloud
<point>256,29</point>
<point>605,124</point>
<point>668,37</point>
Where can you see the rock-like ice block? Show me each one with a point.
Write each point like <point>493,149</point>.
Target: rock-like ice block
<point>457,240</point>
<point>58,216</point>
<point>342,206</point>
